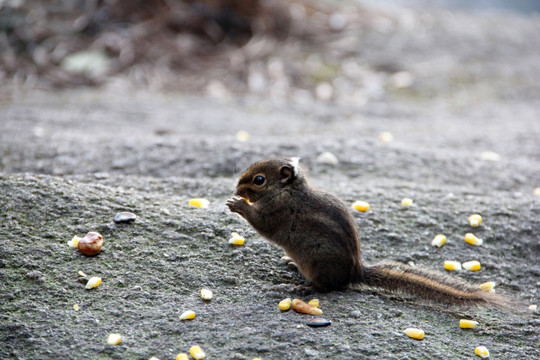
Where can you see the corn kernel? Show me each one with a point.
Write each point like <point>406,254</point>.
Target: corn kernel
<point>467,324</point>
<point>242,136</point>
<point>406,202</point>
<point>533,308</point>
<point>482,351</point>
<point>452,265</point>
<point>182,356</point>
<point>76,307</point>
<point>81,274</point>
<point>187,315</point>
<point>536,191</point>
<point>114,339</point>
<point>360,206</point>
<point>236,239</point>
<point>197,353</point>
<point>153,358</point>
<point>285,304</point>
<point>386,137</point>
<point>473,240</point>
<point>314,302</point>
<point>417,334</point>
<point>199,202</point>
<point>488,286</point>
<point>490,156</point>
<point>93,282</point>
<point>206,294</point>
<point>256,359</point>
<point>439,240</point>
<point>74,242</point>
<point>475,220</point>
<point>471,265</point>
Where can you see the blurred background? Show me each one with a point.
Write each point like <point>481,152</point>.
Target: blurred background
<point>345,51</point>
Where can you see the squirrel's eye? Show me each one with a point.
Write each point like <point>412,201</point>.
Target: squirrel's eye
<point>259,180</point>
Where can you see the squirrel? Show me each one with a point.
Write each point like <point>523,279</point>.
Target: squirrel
<point>318,232</point>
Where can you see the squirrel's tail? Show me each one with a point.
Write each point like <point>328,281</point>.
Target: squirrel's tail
<point>426,284</point>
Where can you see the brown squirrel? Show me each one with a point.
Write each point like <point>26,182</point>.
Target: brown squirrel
<point>318,232</point>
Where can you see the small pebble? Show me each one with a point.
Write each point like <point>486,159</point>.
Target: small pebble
<point>124,217</point>
<point>318,322</point>
<point>327,158</point>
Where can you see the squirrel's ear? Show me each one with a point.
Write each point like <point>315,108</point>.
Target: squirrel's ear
<point>289,172</point>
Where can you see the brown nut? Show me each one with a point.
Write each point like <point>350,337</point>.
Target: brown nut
<point>302,307</point>
<point>91,244</point>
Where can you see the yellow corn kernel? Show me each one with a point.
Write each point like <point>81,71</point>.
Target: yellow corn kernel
<point>471,265</point>
<point>417,334</point>
<point>314,302</point>
<point>187,315</point>
<point>76,307</point>
<point>81,274</point>
<point>74,242</point>
<point>473,240</point>
<point>256,359</point>
<point>242,136</point>
<point>182,356</point>
<point>482,351</point>
<point>467,324</point>
<point>452,265</point>
<point>114,339</point>
<point>406,202</point>
<point>236,239</point>
<point>285,304</point>
<point>197,353</point>
<point>206,294</point>
<point>93,282</point>
<point>360,206</point>
<point>533,308</point>
<point>386,137</point>
<point>488,286</point>
<point>199,202</point>
<point>439,240</point>
<point>475,220</point>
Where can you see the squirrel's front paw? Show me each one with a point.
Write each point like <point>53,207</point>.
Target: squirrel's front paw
<point>237,204</point>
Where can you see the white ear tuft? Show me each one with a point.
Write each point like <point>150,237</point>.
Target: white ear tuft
<point>294,164</point>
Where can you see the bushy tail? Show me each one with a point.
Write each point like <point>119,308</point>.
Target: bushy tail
<point>426,284</point>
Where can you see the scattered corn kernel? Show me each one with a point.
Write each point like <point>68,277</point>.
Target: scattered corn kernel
<point>305,308</point>
<point>206,294</point>
<point>471,265</point>
<point>199,202</point>
<point>114,339</point>
<point>473,240</point>
<point>93,282</point>
<point>488,286</point>
<point>467,324</point>
<point>81,274</point>
<point>482,351</point>
<point>386,137</point>
<point>406,202</point>
<point>314,302</point>
<point>197,353</point>
<point>536,191</point>
<point>475,220</point>
<point>452,265</point>
<point>187,315</point>
<point>74,242</point>
<point>439,240</point>
<point>256,359</point>
<point>360,206</point>
<point>533,308</point>
<point>285,304</point>
<point>182,356</point>
<point>417,334</point>
<point>236,239</point>
<point>242,136</point>
<point>153,358</point>
<point>76,307</point>
<point>490,156</point>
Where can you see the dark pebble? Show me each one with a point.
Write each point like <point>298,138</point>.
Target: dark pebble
<point>124,217</point>
<point>319,322</point>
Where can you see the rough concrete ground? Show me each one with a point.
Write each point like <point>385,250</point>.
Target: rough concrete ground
<point>71,160</point>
